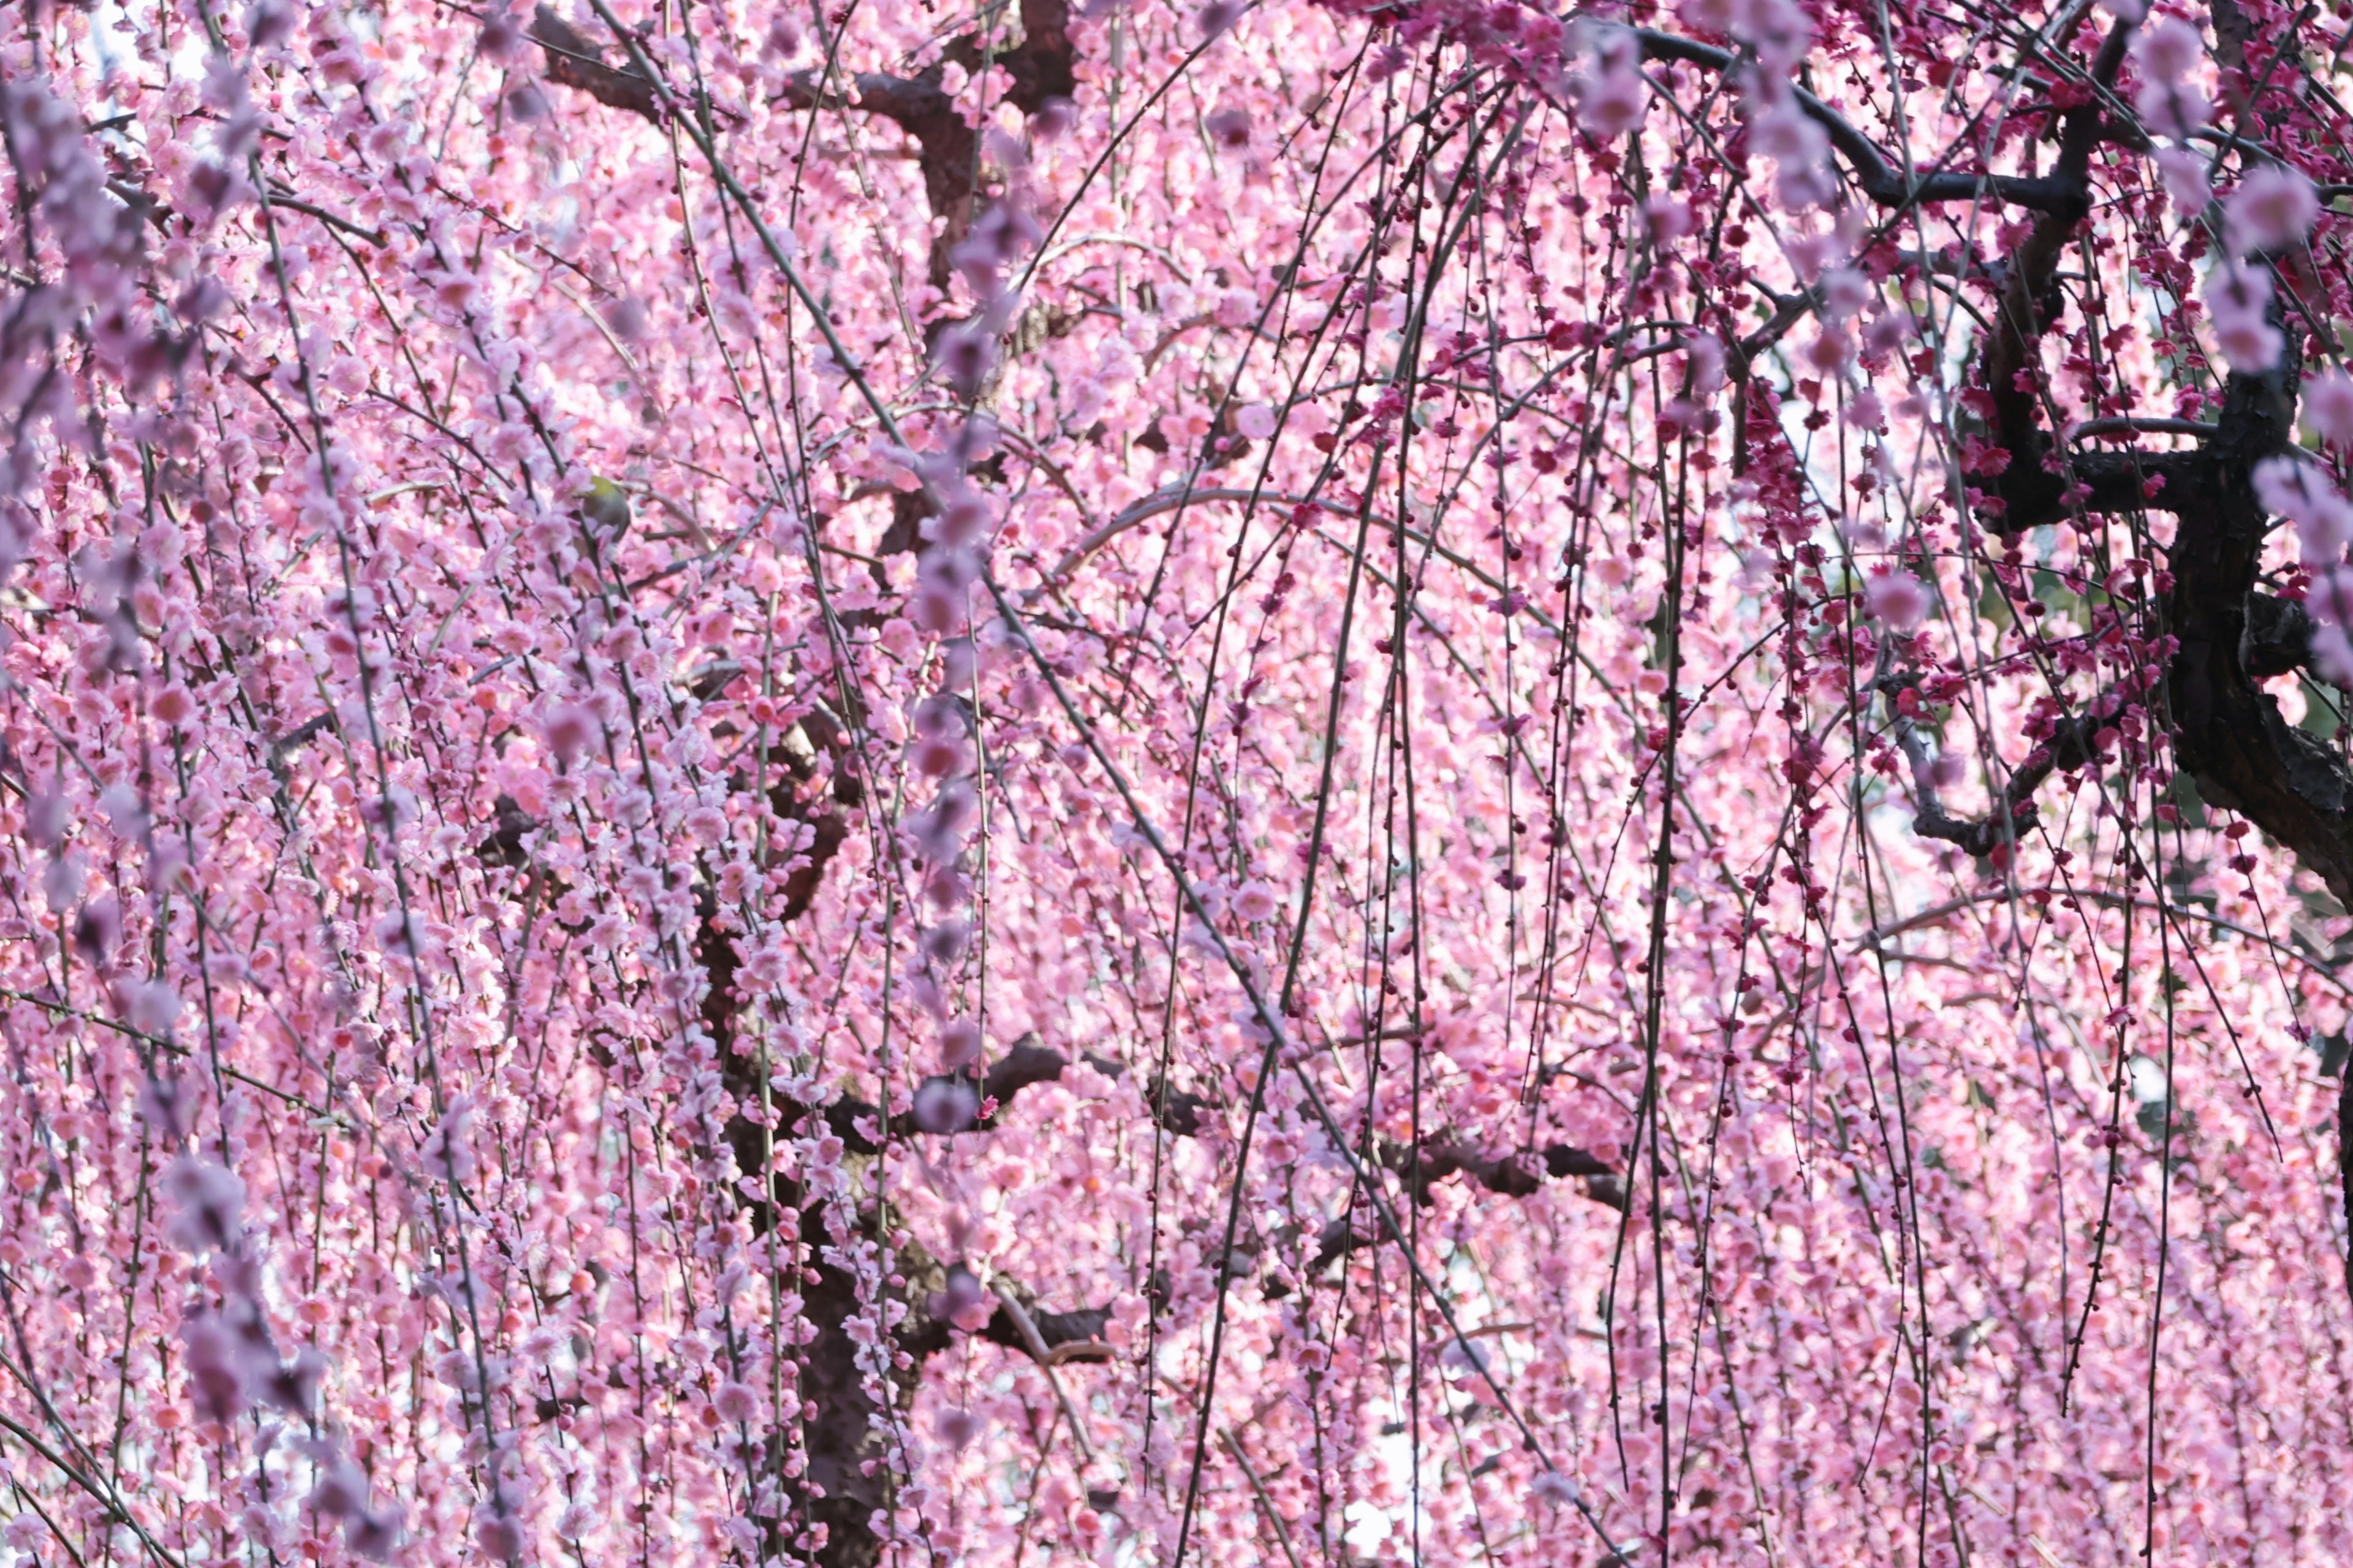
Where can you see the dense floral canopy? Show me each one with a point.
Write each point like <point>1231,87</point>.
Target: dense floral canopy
<point>1333,783</point>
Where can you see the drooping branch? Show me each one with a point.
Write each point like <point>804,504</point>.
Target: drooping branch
<point>2032,487</point>
<point>2345,1156</point>
<point>2227,732</point>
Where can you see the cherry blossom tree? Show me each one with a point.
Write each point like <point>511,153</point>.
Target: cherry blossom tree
<point>1340,781</point>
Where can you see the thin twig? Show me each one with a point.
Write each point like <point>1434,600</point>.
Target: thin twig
<point>1265,1503</point>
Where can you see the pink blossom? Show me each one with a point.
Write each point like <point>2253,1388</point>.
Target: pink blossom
<point>2274,207</point>
<point>2169,51</point>
<point>1553,1488</point>
<point>498,1534</point>
<point>1667,218</point>
<point>569,730</point>
<point>2296,490</point>
<point>1613,103</point>
<point>2328,407</point>
<point>1845,291</point>
<point>960,1045</point>
<point>448,1154</point>
<point>1898,598</point>
<point>375,1534</point>
<point>2184,171</point>
<point>2332,653</point>
<point>945,1105</point>
<point>2240,298</point>
<point>208,1202</point>
<point>151,1007</point>
<point>1829,351</point>
<point>1704,353</point>
<point>342,1491</point>
<point>684,609</point>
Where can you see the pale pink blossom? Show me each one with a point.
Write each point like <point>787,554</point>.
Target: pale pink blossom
<point>1613,101</point>
<point>2328,407</point>
<point>1898,598</point>
<point>498,995</point>
<point>2274,207</point>
<point>2185,173</point>
<point>2238,297</point>
<point>2169,51</point>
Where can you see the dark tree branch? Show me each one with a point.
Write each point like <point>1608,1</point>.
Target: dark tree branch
<point>948,152</point>
<point>1879,175</point>
<point>573,61</point>
<point>2033,490</point>
<point>1042,66</point>
<point>2035,485</point>
<point>2013,815</point>
<point>1041,63</point>
<point>1514,1175</point>
<point>2227,730</point>
<point>1026,1064</point>
<point>1074,1336</point>
<point>2345,1153</point>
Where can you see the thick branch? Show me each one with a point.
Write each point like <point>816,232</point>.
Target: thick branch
<point>2345,1154</point>
<point>2278,636</point>
<point>2228,732</point>
<point>2033,490</point>
<point>1881,179</point>
<point>1041,65</point>
<point>1073,1336</point>
<point>1512,1175</point>
<point>1179,1114</point>
<point>573,61</point>
<point>949,152</point>
<point>2013,813</point>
